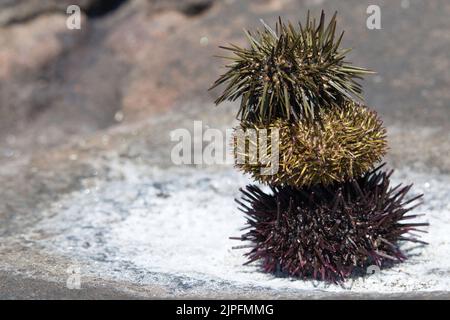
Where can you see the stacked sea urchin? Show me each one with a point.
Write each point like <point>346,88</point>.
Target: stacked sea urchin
<point>328,210</point>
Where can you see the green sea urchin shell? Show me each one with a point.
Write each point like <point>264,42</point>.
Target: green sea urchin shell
<point>290,72</point>
<point>348,143</point>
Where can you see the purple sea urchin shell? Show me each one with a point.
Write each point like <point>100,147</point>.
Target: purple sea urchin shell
<point>323,232</point>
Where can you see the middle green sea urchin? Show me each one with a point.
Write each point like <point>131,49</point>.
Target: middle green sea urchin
<point>326,232</point>
<point>348,143</point>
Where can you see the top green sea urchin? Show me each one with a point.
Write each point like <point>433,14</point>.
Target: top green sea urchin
<point>290,73</point>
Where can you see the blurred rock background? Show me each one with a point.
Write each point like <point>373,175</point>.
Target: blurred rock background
<point>139,58</point>
<point>73,102</point>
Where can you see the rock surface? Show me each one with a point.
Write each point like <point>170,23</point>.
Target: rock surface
<point>86,175</point>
